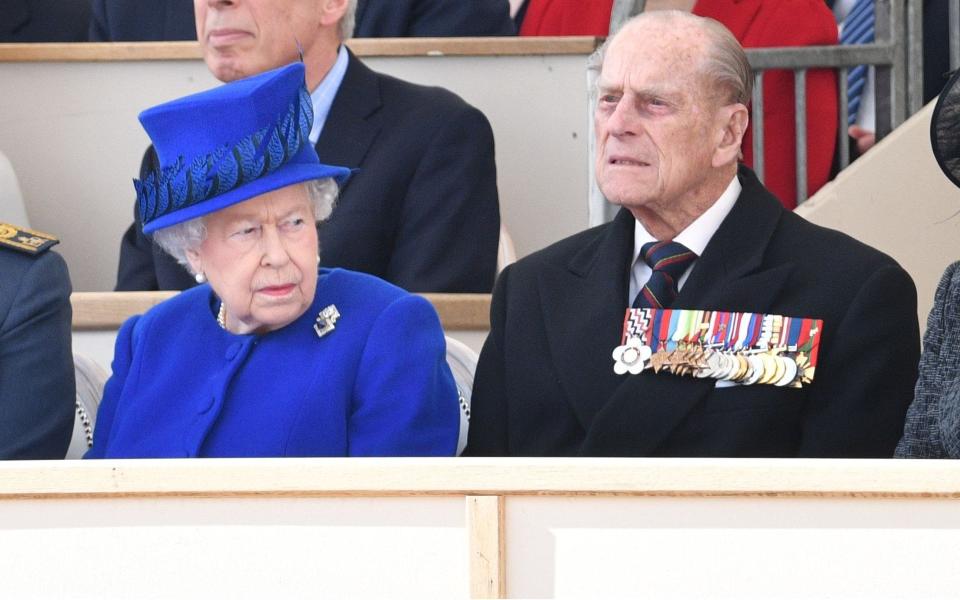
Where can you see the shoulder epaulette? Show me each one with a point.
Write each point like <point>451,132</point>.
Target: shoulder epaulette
<point>25,240</point>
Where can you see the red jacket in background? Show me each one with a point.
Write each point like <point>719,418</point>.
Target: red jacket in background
<point>767,23</point>
<point>567,17</point>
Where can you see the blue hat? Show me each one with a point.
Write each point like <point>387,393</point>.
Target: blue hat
<point>227,145</point>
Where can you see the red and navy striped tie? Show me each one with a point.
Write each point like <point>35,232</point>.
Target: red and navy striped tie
<point>668,260</point>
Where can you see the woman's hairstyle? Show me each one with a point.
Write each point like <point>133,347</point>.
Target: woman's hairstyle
<point>177,239</point>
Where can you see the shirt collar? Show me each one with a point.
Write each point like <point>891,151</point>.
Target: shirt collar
<point>697,235</point>
<point>323,96</point>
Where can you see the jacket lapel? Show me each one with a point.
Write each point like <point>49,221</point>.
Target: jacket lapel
<point>643,411</point>
<point>587,300</point>
<point>353,123</point>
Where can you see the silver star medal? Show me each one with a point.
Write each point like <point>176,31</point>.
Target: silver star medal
<point>631,357</point>
<point>326,320</point>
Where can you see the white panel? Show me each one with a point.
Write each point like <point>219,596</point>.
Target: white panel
<point>234,548</point>
<point>732,548</point>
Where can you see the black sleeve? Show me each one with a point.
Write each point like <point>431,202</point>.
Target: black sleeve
<point>448,230</point>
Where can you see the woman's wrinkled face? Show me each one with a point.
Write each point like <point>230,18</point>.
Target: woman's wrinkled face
<point>260,257</point>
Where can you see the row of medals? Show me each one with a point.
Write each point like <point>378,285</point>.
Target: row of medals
<point>746,366</point>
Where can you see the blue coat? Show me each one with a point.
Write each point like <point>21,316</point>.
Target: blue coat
<point>377,385</point>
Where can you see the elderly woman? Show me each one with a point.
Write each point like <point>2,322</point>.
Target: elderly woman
<point>932,428</point>
<point>276,356</point>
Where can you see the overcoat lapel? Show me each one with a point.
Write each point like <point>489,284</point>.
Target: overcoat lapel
<point>353,123</point>
<point>587,300</point>
<point>646,408</point>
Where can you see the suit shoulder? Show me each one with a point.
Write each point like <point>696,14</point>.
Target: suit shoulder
<point>178,307</point>
<point>427,100</point>
<point>23,276</point>
<point>358,289</point>
<point>829,249</point>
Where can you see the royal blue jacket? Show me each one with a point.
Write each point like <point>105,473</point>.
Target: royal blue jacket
<point>377,385</point>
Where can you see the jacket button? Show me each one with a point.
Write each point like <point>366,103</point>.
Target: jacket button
<point>232,351</point>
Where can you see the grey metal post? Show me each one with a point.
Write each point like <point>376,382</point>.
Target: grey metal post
<point>914,73</point>
<point>756,117</point>
<point>885,82</point>
<point>800,118</point>
<point>954,16</point>
<point>622,11</point>
<point>843,141</point>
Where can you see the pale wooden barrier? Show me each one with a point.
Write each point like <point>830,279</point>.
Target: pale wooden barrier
<point>108,310</point>
<point>98,315</point>
<point>365,47</point>
<point>667,528</point>
<point>532,91</point>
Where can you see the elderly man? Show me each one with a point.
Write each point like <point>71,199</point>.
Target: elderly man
<point>669,120</point>
<point>421,210</point>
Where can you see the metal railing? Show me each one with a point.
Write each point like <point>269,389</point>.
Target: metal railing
<point>897,58</point>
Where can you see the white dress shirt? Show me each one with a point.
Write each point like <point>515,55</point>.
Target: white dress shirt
<point>695,237</point>
<point>323,96</point>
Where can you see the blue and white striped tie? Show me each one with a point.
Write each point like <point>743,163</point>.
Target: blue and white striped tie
<point>857,29</point>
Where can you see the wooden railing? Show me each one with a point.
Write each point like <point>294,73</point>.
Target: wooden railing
<point>108,310</point>
<point>527,527</point>
<point>368,47</point>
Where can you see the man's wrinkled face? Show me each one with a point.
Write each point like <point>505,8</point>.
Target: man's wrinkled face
<point>241,38</point>
<point>654,118</point>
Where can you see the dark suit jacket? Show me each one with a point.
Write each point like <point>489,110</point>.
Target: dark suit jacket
<point>37,389</point>
<point>545,383</point>
<point>422,209</point>
<point>433,18</point>
<point>139,21</point>
<point>43,20</point>
<point>157,20</point>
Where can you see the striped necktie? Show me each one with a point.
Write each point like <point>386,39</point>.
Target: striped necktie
<point>668,260</point>
<point>857,29</point>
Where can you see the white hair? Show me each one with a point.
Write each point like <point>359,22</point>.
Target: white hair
<point>177,239</point>
<point>348,21</point>
<point>725,64</point>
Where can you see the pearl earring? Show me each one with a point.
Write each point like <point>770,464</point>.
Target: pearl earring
<point>200,277</point>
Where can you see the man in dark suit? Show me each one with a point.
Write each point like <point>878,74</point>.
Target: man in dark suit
<point>158,20</point>
<point>421,211</point>
<point>36,363</point>
<point>670,119</point>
